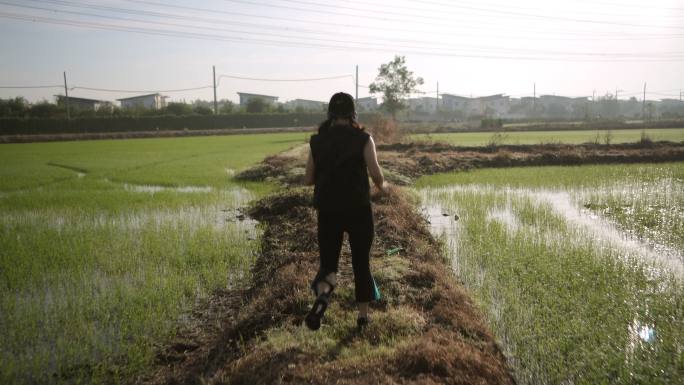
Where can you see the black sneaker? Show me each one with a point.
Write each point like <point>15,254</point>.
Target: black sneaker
<point>362,322</point>
<point>313,319</point>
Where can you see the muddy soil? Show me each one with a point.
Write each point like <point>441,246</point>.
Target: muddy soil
<point>402,163</point>
<point>145,134</point>
<point>424,330</point>
<point>413,160</point>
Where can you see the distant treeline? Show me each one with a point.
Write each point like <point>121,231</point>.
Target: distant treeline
<point>509,125</point>
<point>36,126</point>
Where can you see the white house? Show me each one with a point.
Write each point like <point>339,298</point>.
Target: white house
<point>423,104</point>
<point>151,101</point>
<point>367,104</point>
<point>245,97</point>
<point>83,103</point>
<point>307,105</point>
<point>454,102</point>
<point>494,105</point>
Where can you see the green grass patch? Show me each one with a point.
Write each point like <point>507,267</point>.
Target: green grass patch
<point>563,136</point>
<point>558,176</point>
<point>569,303</point>
<point>106,245</point>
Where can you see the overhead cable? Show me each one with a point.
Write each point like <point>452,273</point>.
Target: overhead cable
<point>290,43</point>
<point>476,48</point>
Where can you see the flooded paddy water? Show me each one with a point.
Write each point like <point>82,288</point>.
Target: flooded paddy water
<point>581,283</point>
<point>107,246</point>
<point>113,280</point>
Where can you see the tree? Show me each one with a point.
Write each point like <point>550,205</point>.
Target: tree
<point>14,107</point>
<point>202,110</point>
<point>175,108</point>
<point>256,105</point>
<point>226,106</point>
<point>395,82</point>
<point>45,109</point>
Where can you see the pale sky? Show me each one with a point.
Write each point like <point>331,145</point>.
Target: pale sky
<point>470,47</point>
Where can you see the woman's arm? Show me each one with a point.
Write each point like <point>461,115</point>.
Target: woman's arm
<point>310,171</point>
<point>374,170</point>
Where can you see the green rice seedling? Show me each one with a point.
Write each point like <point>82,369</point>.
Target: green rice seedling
<point>105,246</point>
<point>564,136</point>
<point>572,297</point>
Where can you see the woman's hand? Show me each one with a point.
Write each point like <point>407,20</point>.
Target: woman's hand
<point>380,191</point>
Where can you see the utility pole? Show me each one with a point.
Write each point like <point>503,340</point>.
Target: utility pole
<point>356,94</point>
<point>437,101</point>
<point>534,97</point>
<point>66,96</point>
<point>643,104</point>
<point>215,102</point>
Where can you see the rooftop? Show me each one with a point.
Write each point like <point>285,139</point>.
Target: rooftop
<point>259,95</point>
<point>84,100</point>
<point>142,96</point>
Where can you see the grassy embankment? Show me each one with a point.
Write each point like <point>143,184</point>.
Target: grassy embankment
<point>105,245</point>
<point>576,267</point>
<point>566,136</point>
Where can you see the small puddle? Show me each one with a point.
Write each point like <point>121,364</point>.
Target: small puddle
<point>587,222</point>
<point>640,335</point>
<point>444,225</point>
<point>152,189</point>
<point>505,217</point>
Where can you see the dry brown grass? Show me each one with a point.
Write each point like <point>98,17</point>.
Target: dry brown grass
<point>416,159</point>
<point>425,330</point>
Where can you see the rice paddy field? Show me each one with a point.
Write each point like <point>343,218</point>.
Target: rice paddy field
<point>105,246</point>
<point>566,136</point>
<point>577,269</point>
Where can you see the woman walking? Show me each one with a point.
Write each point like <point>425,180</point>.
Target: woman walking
<point>341,158</point>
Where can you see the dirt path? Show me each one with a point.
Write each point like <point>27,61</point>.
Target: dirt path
<point>144,134</point>
<point>406,161</point>
<point>425,330</point>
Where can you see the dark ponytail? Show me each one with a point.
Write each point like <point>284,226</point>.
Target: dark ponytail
<point>341,106</point>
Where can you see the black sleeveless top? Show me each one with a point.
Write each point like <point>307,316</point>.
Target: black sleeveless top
<point>341,178</point>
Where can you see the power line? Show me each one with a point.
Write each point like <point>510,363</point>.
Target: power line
<point>640,6</point>
<point>592,36</point>
<point>30,87</point>
<point>139,91</point>
<point>286,80</point>
<point>497,7</point>
<point>509,6</point>
<point>290,43</point>
<point>510,13</point>
<point>280,35</point>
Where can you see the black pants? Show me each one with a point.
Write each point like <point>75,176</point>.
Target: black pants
<point>358,224</point>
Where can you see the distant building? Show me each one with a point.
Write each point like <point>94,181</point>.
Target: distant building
<point>454,102</point>
<point>307,105</point>
<point>671,103</point>
<point>367,104</point>
<point>552,100</point>
<point>423,104</point>
<point>83,103</point>
<point>246,97</point>
<point>528,101</point>
<point>493,105</point>
<point>151,101</point>
<point>667,107</point>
